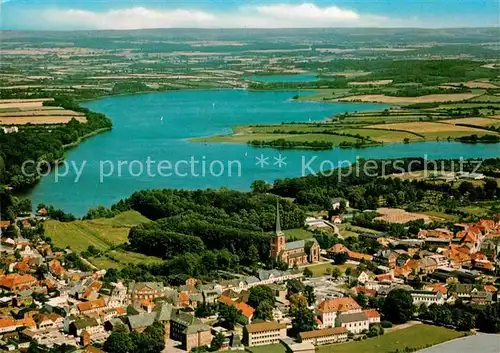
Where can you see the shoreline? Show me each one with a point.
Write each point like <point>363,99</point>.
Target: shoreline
<point>84,137</point>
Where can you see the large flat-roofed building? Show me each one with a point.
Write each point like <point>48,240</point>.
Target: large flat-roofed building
<point>264,333</point>
<point>326,336</point>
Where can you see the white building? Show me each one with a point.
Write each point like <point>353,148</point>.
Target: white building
<point>265,333</point>
<point>355,322</point>
<point>427,297</point>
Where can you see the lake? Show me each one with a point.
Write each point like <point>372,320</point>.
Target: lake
<point>151,133</point>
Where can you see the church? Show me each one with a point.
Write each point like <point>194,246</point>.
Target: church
<point>297,252</point>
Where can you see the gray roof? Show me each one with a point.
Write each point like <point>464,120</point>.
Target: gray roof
<point>354,317</point>
<point>141,320</point>
<point>185,319</point>
<point>164,312</point>
<point>154,285</point>
<point>87,322</point>
<point>252,279</point>
<point>295,244</point>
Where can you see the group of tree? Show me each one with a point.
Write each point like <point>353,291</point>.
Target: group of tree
<point>462,316</point>
<point>151,340</point>
<point>263,299</point>
<point>398,308</point>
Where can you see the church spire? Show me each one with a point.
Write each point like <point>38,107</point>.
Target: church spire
<point>278,224</point>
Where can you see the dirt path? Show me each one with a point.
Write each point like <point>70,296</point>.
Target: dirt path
<point>403,326</point>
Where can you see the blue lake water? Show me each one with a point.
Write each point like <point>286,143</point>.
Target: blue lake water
<point>284,78</point>
<point>142,139</point>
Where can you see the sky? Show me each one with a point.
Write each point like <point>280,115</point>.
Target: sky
<point>135,14</point>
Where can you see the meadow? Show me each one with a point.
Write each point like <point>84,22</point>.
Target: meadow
<point>102,233</point>
<point>408,339</point>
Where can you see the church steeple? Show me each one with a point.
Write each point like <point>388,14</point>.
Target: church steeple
<point>278,241</point>
<point>278,224</point>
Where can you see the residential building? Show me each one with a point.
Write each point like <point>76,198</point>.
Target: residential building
<point>328,309</point>
<point>15,282</point>
<point>373,316</point>
<point>264,333</point>
<point>354,322</point>
<point>91,306</point>
<point>427,297</point>
<point>139,291</point>
<point>189,330</point>
<point>337,202</point>
<point>325,336</point>
<point>351,255</point>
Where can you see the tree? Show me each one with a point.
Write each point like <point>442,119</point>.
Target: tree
<point>156,333</point>
<point>309,294</point>
<point>307,272</point>
<point>488,320</point>
<point>362,300</point>
<point>264,311</point>
<point>423,311</point>
<point>260,186</point>
<point>217,342</point>
<point>303,320</point>
<point>229,315</point>
<point>398,306</point>
<point>336,273</point>
<point>294,286</point>
<point>252,256</point>
<point>340,258</point>
<point>119,342</point>
<point>348,271</point>
<point>466,321</point>
<point>259,294</point>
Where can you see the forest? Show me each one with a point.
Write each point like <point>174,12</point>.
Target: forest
<point>43,145</point>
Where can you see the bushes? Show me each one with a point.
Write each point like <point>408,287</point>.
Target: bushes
<point>386,324</point>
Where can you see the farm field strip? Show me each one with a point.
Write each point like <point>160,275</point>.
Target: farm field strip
<point>431,98</point>
<point>40,120</point>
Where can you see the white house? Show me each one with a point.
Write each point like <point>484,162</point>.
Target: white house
<point>427,297</point>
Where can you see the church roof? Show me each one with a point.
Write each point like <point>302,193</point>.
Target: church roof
<point>295,245</point>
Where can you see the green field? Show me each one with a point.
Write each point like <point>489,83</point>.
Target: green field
<point>271,348</point>
<point>119,258</point>
<point>298,233</point>
<point>319,270</point>
<point>101,233</point>
<point>414,337</point>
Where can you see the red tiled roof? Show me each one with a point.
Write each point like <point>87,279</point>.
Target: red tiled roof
<point>371,313</point>
<point>15,280</point>
<point>245,309</point>
<point>338,304</point>
<point>92,304</point>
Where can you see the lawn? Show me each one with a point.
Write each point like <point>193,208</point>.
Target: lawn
<point>319,270</point>
<point>271,348</point>
<point>414,337</point>
<point>101,233</point>
<point>298,233</point>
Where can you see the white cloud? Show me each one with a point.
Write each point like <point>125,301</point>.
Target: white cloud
<point>308,12</point>
<point>262,16</point>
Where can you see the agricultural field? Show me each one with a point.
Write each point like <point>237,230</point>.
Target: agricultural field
<point>32,111</point>
<point>396,215</point>
<point>431,98</point>
<point>489,121</point>
<point>409,339</point>
<point>431,130</point>
<point>102,233</point>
